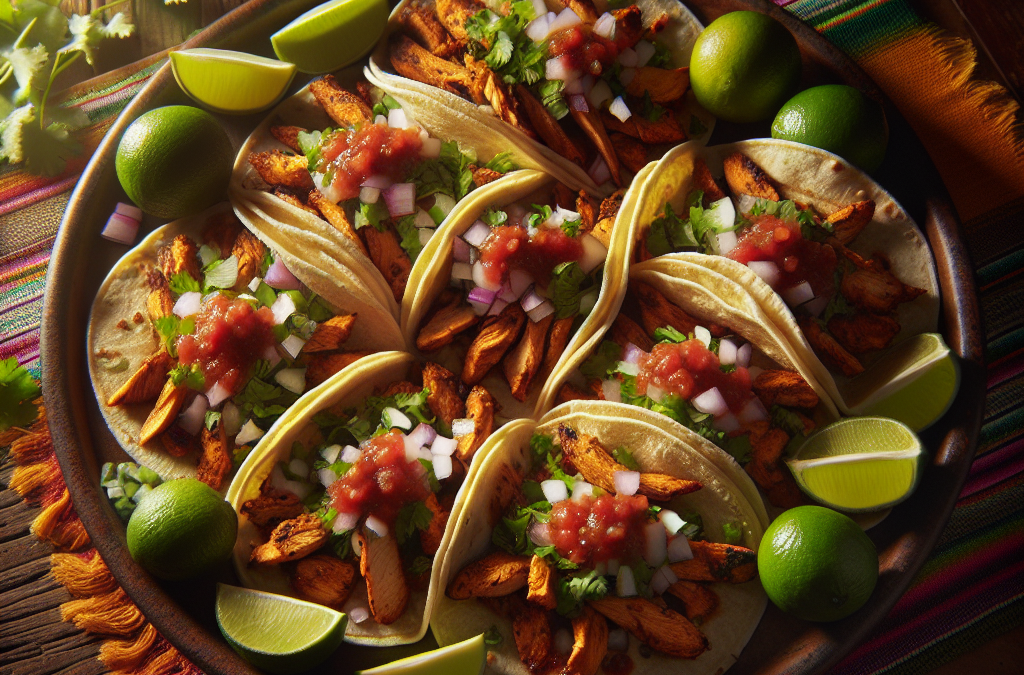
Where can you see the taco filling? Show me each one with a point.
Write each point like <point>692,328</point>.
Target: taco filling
<point>844,303</point>
<point>588,552</point>
<point>523,278</point>
<point>367,497</point>
<point>538,70</point>
<point>380,179</point>
<point>703,378</point>
<point>240,339</point>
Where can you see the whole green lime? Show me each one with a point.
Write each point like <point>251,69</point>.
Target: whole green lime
<point>174,161</point>
<point>182,529</point>
<point>744,66</point>
<point>817,564</point>
<point>836,118</point>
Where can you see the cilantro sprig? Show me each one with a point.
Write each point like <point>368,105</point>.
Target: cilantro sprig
<point>17,392</point>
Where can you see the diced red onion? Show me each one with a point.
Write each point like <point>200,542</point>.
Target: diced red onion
<point>618,640</point>
<point>460,252</point>
<point>369,195</point>
<point>281,278</point>
<point>599,171</point>
<point>292,379</point>
<point>563,641</point>
<point>671,520</point>
<point>594,253</point>
<point>629,368</point>
<point>632,353</point>
<point>442,466</point>
<point>625,584</point>
<point>423,434</point>
<point>727,423</point>
<point>605,26</point>
<point>129,211</point>
<point>230,417</point>
<point>377,526</point>
<point>477,234</point>
<point>655,544</point>
<point>401,199</point>
<point>462,427</point>
<point>497,307</point>
<point>554,490</point>
<point>626,76</point>
<point>282,308</point>
<point>480,294</point>
<point>192,418</point>
<point>753,411</point>
<point>711,402</point>
<point>531,301</point>
<point>726,242</point>
<point>798,295</point>
<point>461,270</point>
<point>344,522</point>
<point>350,454</point>
<point>816,306</point>
<point>541,311</point>
<point>538,29</point>
<point>248,432</point>
<point>628,58</point>
<point>187,304</point>
<point>611,390</point>
<point>578,102</point>
<point>767,270</point>
<point>379,181</point>
<point>655,393</point>
<point>559,69</point>
<point>620,109</point>
<point>217,394</point>
<point>644,51</point>
<point>679,549</point>
<point>515,212</point>
<point>581,489</point>
<point>540,534</point>
<point>726,352</point>
<point>626,482</point>
<point>702,334</point>
<point>358,614</point>
<point>293,344</point>
<point>599,94</point>
<point>120,229</point>
<point>431,148</point>
<point>443,446</point>
<point>743,355</point>
<point>480,308</point>
<point>506,293</point>
<point>565,19</point>
<point>326,476</point>
<point>272,355</point>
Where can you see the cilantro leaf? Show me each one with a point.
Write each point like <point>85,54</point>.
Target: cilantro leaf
<point>183,282</point>
<point>409,236</point>
<point>568,285</point>
<point>192,376</point>
<point>17,391</point>
<point>501,50</point>
<point>543,212</point>
<point>669,234</point>
<point>787,420</point>
<point>502,163</point>
<point>574,591</point>
<point>419,566</point>
<point>551,96</point>
<point>375,215</point>
<point>669,334</point>
<point>624,457</point>
<point>494,217</point>
<point>571,227</point>
<point>412,517</point>
<point>602,362</point>
<point>732,533</point>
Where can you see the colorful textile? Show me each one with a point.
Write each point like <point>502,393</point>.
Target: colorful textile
<point>972,587</point>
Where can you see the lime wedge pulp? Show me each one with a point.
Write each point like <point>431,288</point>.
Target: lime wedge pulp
<point>276,633</point>
<point>465,658</point>
<point>332,35</point>
<point>921,378</point>
<point>860,464</point>
<point>231,82</point>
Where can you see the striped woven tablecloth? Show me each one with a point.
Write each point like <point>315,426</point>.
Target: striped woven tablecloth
<point>972,587</point>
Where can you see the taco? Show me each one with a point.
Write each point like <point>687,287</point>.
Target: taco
<point>201,336</point>
<point>703,354</point>
<point>832,259</point>
<point>592,539</point>
<point>346,502</point>
<point>347,171</point>
<point>516,282</point>
<point>591,93</point>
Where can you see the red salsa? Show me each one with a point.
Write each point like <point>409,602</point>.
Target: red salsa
<point>509,247</point>
<point>381,481</point>
<point>229,337</point>
<point>583,50</point>
<point>375,149</point>
<point>598,529</point>
<point>781,242</point>
<point>689,369</point>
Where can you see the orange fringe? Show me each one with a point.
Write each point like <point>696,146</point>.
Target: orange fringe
<point>101,606</point>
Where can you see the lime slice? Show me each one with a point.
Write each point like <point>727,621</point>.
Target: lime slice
<point>231,82</point>
<point>465,658</point>
<point>921,377</point>
<point>332,35</point>
<point>860,464</point>
<point>275,633</point>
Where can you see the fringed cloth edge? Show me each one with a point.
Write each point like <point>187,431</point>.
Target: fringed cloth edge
<point>132,646</point>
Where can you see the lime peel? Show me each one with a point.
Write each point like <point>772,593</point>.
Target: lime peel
<point>465,658</point>
<point>231,82</point>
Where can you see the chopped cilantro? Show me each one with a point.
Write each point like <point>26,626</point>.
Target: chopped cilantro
<point>348,429</point>
<point>732,532</point>
<point>17,391</point>
<point>642,575</point>
<point>170,327</point>
<point>492,636</point>
<point>431,477</point>
<point>341,543</point>
<point>787,420</point>
<point>386,105</point>
<point>571,227</point>
<point>419,566</point>
<point>662,59</point>
<point>264,401</point>
<point>411,517</point>
<point>649,109</point>
<point>494,217</point>
<point>448,173</point>
<point>624,457</point>
<point>669,234</point>
<point>502,163</point>
<point>674,407</point>
<point>602,362</point>
<point>318,309</point>
<point>414,406</point>
<point>409,236</point>
<point>574,591</point>
<point>371,214</point>
<point>212,419</point>
<point>569,283</point>
<point>551,96</point>
<point>543,212</point>
<point>669,334</point>
<point>739,447</point>
<point>183,282</point>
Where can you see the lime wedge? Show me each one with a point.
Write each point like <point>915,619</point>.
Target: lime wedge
<point>332,35</point>
<point>464,658</point>
<point>275,633</point>
<point>860,464</point>
<point>921,377</point>
<point>231,82</point>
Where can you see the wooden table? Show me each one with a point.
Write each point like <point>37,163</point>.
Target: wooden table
<point>34,641</point>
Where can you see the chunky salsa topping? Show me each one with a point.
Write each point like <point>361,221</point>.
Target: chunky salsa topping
<point>381,481</point>
<point>229,337</point>
<point>583,50</point>
<point>374,150</point>
<point>510,247</point>
<point>770,238</point>
<point>597,529</point>
<point>689,368</point>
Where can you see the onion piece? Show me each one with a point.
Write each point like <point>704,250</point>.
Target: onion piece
<point>644,52</point>
<point>443,446</point>
<point>726,352</point>
<point>605,26</point>
<point>611,390</point>
<point>541,311</point>
<point>599,171</point>
<point>292,379</point>
<point>540,534</point>
<point>679,549</point>
<point>632,353</point>
<point>129,211</point>
<point>358,614</point>
<point>442,466</point>
<point>330,453</point>
<point>350,454</point>
<point>628,368</point>
<point>753,411</point>
<point>620,109</point>
<point>377,526</point>
<point>702,334</point>
<point>281,278</point>
<point>378,181</point>
<point>507,294</point>
<point>191,418</point>
<point>711,402</point>
<point>816,306</point>
<point>398,419</point>
<point>460,251</point>
<point>594,253</point>
<point>554,490</point>
<point>559,69</point>
<point>480,294</point>
<point>401,199</point>
<point>444,203</point>
<point>671,520</point>
<point>497,307</point>
<point>531,301</point>
<point>726,242</point>
<point>659,582</point>
<point>727,423</point>
<point>613,567</point>
<point>599,94</point>
<point>462,427</point>
<point>282,308</point>
<point>722,213</point>
<point>431,148</point>
<point>425,233</point>
<point>326,476</point>
<point>398,119</point>
<point>120,229</point>
<point>423,434</point>
<point>655,544</point>
<point>538,29</point>
<point>743,355</point>
<point>293,344</point>
<point>581,489</point>
<point>626,76</point>
<point>628,58</point>
<point>626,482</point>
<point>477,234</point>
<point>423,219</point>
<point>255,284</point>
<point>655,393</point>
<point>344,522</point>
<point>625,584</point>
<point>187,304</point>
<point>369,195</point>
<point>248,432</point>
<point>578,101</point>
<point>481,279</point>
<point>480,308</point>
<point>230,417</point>
<point>754,372</point>
<point>565,19</point>
<point>217,394</point>
<point>767,270</point>
<point>798,295</point>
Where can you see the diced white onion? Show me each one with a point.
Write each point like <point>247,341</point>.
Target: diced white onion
<point>380,119</point>
<point>461,270</point>
<point>230,417</point>
<point>620,109</point>
<point>726,241</point>
<point>431,148</point>
<point>594,253</point>
<point>581,489</point>
<point>625,584</point>
<point>423,434</point>
<point>753,411</point>
<point>565,19</point>
<point>726,352</point>
<point>282,308</point>
<point>628,58</point>
<point>462,426</point>
<point>628,368</point>
<point>129,210</point>
<point>443,446</point>
<point>679,549</point>
<point>539,8</point>
<point>711,402</point>
<point>618,640</point>
<point>425,233</point>
<point>816,306</point>
<point>554,490</point>
<point>659,583</point>
<point>605,26</point>
<point>350,454</point>
<point>299,467</point>
<point>599,94</point>
<point>702,334</point>
<point>329,190</point>
<point>644,51</point>
<point>344,522</point>
<point>442,466</point>
<point>798,295</point>
<point>293,344</point>
<point>377,526</point>
<point>727,423</point>
<point>743,355</point>
<point>326,476</point>
<point>632,353</point>
<point>120,229</point>
<point>369,195</point>
<point>611,390</point>
<point>292,379</point>
<point>626,482</point>
<point>425,454</point>
<point>563,641</point>
<point>216,394</point>
<point>249,432</point>
<point>671,520</point>
<point>538,29</point>
<point>397,119</point>
<point>423,219</point>
<point>559,69</point>
<point>767,270</point>
<point>398,418</point>
<point>541,311</point>
<point>187,304</point>
<point>358,614</point>
<point>655,393</point>
<point>722,213</point>
<point>330,453</point>
<point>192,418</point>
<point>444,203</point>
<point>655,544</point>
